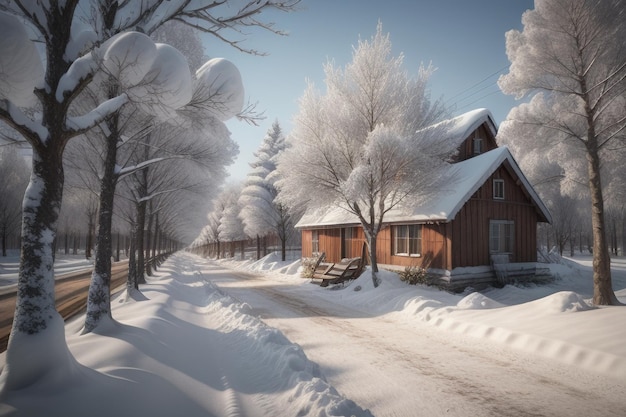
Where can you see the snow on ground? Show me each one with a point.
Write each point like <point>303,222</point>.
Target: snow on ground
<point>63,264</point>
<point>556,320</point>
<point>188,348</point>
<point>183,348</point>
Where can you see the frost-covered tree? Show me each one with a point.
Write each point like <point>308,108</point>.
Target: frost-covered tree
<point>223,224</point>
<point>261,211</point>
<point>231,227</point>
<point>37,99</point>
<point>356,146</point>
<point>570,58</point>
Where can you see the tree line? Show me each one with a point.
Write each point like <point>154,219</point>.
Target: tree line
<point>115,98</point>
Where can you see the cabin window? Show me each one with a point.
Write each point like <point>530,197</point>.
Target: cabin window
<point>315,241</point>
<point>501,236</point>
<point>407,240</point>
<point>478,146</point>
<point>498,189</point>
<point>348,235</point>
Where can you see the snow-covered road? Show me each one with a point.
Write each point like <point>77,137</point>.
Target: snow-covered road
<point>396,367</point>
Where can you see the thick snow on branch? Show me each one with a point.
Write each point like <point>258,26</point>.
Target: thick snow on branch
<point>97,115</point>
<point>219,88</point>
<point>129,58</point>
<point>21,69</point>
<point>134,168</point>
<point>81,68</point>
<point>167,86</point>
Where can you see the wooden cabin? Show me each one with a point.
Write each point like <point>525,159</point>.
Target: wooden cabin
<point>480,230</point>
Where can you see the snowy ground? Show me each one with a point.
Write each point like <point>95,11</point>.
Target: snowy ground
<point>189,348</point>
<point>63,264</point>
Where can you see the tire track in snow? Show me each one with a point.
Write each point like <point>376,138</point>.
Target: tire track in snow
<point>470,376</point>
<point>232,405</point>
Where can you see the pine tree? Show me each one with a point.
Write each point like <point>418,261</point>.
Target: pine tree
<point>261,212</point>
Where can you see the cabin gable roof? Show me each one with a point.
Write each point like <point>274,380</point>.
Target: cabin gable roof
<point>459,128</point>
<point>467,177</point>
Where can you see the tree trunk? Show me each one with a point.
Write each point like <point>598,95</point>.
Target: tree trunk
<point>614,230</point>
<point>264,246</point>
<point>156,237</point>
<point>89,240</point>
<point>35,311</point>
<point>283,249</point>
<point>370,238</point>
<point>99,296</point>
<point>580,240</point>
<point>117,247</point>
<point>139,242</point>
<point>131,281</point>
<point>623,230</point>
<point>148,243</point>
<point>4,241</point>
<point>75,242</point>
<point>602,286</point>
<point>282,235</point>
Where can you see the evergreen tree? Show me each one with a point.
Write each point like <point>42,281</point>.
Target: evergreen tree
<point>261,212</point>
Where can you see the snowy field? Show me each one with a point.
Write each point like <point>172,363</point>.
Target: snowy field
<point>188,348</point>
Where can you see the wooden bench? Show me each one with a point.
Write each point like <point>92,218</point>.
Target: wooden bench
<point>344,270</point>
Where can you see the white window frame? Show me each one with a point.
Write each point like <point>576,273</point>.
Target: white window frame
<point>501,231</point>
<point>498,189</point>
<point>411,232</point>
<point>477,146</point>
<point>315,241</point>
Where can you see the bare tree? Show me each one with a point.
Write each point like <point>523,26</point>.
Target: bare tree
<point>359,140</point>
<point>568,60</point>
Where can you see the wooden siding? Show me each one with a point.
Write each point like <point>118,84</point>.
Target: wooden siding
<point>470,228</point>
<point>330,241</point>
<point>462,242</point>
<point>307,246</point>
<point>466,150</point>
<point>433,253</point>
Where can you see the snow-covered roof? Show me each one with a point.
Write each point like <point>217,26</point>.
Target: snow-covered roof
<point>468,176</point>
<point>459,128</point>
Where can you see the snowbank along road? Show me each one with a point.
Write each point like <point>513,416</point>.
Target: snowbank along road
<point>396,367</point>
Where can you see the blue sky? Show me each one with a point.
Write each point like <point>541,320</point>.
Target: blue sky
<point>463,39</point>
